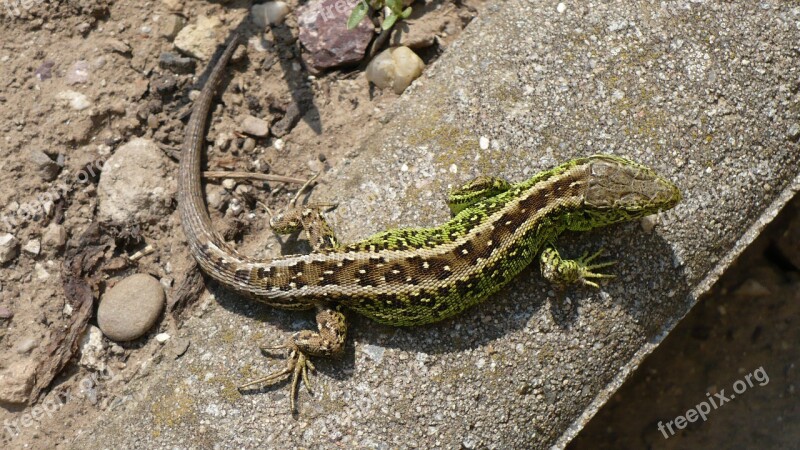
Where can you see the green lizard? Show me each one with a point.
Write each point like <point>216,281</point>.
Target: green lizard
<point>415,276</point>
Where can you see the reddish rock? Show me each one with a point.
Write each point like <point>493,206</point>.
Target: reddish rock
<point>324,33</point>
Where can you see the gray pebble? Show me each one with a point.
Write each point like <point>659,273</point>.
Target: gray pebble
<point>45,166</point>
<point>54,238</point>
<point>255,126</point>
<point>175,63</point>
<point>5,313</point>
<point>794,132</point>
<point>131,307</point>
<point>32,247</point>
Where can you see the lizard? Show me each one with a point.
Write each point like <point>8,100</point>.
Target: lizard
<point>415,276</point>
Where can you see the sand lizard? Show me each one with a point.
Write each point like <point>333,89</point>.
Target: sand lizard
<point>416,276</point>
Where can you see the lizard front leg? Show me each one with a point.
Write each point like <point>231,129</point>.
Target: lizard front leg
<point>562,272</point>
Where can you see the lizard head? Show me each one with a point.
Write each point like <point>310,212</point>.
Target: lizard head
<point>618,189</point>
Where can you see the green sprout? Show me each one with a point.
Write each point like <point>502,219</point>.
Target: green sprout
<point>396,12</point>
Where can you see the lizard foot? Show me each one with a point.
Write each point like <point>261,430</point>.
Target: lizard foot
<point>562,272</point>
<point>297,366</point>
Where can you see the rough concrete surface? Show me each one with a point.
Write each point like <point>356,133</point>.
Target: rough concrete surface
<point>704,92</point>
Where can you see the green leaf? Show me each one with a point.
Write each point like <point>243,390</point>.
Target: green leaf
<point>395,5</point>
<point>359,11</point>
<point>389,21</point>
<point>405,13</point>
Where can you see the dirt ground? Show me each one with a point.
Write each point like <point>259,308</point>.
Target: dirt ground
<point>104,55</point>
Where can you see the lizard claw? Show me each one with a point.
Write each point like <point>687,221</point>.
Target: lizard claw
<point>297,366</point>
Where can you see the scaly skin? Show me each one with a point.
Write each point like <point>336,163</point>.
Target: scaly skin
<point>415,276</point>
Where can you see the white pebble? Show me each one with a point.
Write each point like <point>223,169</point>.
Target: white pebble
<point>278,144</point>
<point>270,13</point>
<point>484,142</point>
<point>561,8</point>
<point>396,68</point>
<point>162,337</point>
<point>76,100</point>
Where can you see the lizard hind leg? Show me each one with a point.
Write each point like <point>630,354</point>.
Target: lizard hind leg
<point>562,272</point>
<point>310,219</point>
<point>478,189</point>
<point>328,341</point>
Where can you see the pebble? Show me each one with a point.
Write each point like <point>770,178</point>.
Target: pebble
<point>176,64</point>
<point>794,132</point>
<point>171,25</point>
<point>324,33</point>
<point>47,169</point>
<point>561,7</point>
<point>32,247</point>
<point>5,313</point>
<point>648,223</point>
<point>162,338</point>
<point>92,349</point>
<point>25,345</point>
<point>17,381</point>
<point>45,71</point>
<point>483,142</point>
<point>255,126</point>
<point>229,184</point>
<point>9,247</point>
<point>279,144</point>
<point>75,100</point>
<point>249,145</point>
<point>396,68</point>
<point>78,73</point>
<point>199,39</point>
<point>134,185</point>
<point>130,308</point>
<point>270,13</point>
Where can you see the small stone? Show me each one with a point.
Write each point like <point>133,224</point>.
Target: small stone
<point>78,73</point>
<point>5,313</point>
<point>32,247</point>
<point>75,100</point>
<point>255,126</point>
<point>83,28</point>
<point>375,352</point>
<point>17,381</point>
<point>279,144</point>
<point>92,350</point>
<point>9,247</point>
<point>178,347</point>
<point>324,33</point>
<point>229,184</point>
<point>40,271</point>
<point>171,25</point>
<point>47,169</point>
<point>173,5</point>
<point>45,71</point>
<point>199,39</point>
<point>176,64</point>
<point>162,338</point>
<point>648,223</point>
<point>560,8</point>
<point>396,68</point>
<point>115,45</point>
<point>270,13</point>
<point>25,345</point>
<point>483,143</point>
<point>249,145</point>
<point>130,308</point>
<point>794,132</point>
